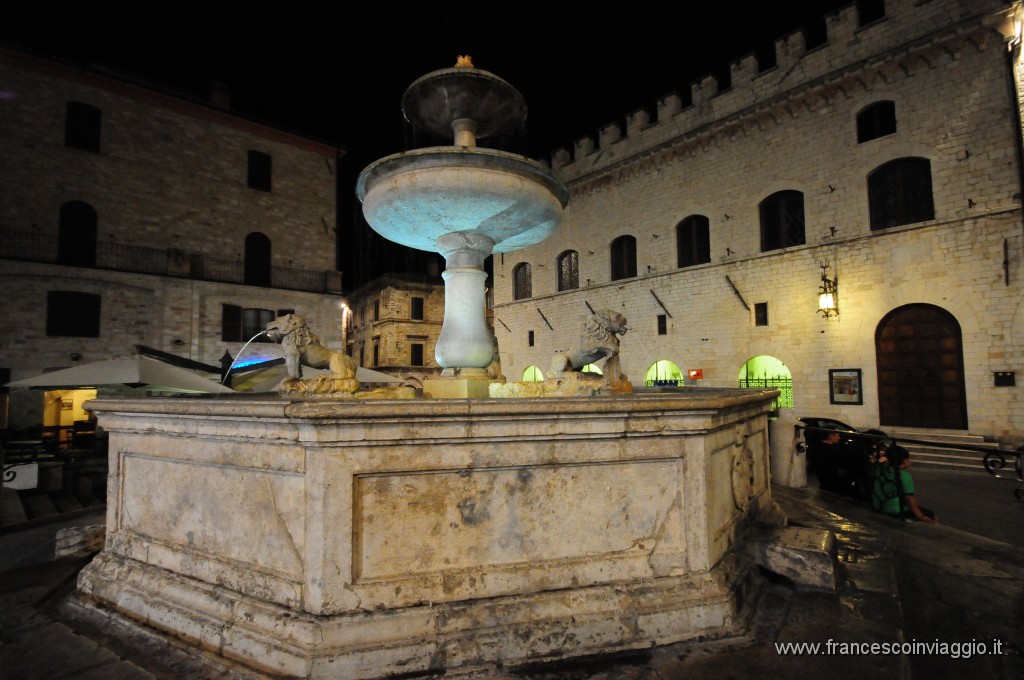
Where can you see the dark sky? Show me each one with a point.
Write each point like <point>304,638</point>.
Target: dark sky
<point>338,74</point>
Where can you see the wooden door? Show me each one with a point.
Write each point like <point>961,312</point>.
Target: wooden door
<point>919,352</point>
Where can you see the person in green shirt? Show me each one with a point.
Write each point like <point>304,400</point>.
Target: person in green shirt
<point>893,490</point>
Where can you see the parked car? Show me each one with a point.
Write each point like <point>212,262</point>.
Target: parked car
<point>845,467</point>
<point>813,436</point>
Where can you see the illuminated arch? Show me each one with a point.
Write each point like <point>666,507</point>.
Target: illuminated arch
<point>763,372</point>
<point>532,374</point>
<point>663,373</point>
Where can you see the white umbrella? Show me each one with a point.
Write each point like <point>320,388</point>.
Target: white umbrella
<point>134,370</point>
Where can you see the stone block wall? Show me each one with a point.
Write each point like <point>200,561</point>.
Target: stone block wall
<point>136,309</point>
<point>169,173</point>
<point>794,128</point>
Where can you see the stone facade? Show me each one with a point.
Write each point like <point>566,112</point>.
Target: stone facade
<point>381,316</point>
<point>793,127</point>
<point>172,205</point>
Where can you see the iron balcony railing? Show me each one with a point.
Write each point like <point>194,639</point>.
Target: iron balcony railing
<point>43,248</point>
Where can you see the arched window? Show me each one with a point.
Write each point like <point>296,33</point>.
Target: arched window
<point>623,258</point>
<point>782,220</point>
<point>876,120</point>
<point>568,270</point>
<point>522,281</point>
<point>82,126</point>
<point>532,374</point>
<point>693,241</point>
<point>900,192</point>
<point>663,373</point>
<point>257,259</point>
<point>76,240</point>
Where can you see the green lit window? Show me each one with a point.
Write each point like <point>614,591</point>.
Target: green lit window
<point>532,374</point>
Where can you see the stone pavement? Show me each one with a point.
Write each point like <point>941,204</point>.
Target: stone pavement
<point>899,583</point>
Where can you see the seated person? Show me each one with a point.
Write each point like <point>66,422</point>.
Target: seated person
<point>893,492</point>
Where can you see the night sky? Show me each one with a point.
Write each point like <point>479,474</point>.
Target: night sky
<point>337,74</point>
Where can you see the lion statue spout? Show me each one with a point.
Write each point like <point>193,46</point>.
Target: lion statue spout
<point>599,340</point>
<point>302,347</point>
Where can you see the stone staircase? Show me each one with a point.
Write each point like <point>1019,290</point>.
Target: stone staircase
<point>946,449</point>
<point>63,490</point>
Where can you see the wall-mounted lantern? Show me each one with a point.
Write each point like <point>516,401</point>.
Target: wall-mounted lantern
<point>828,294</point>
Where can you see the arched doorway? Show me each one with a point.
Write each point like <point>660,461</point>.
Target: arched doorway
<point>765,371</point>
<point>663,373</point>
<point>919,352</point>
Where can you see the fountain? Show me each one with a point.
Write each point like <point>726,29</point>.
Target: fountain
<point>361,537</point>
<point>464,202</point>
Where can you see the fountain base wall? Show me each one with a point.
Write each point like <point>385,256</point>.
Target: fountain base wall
<point>366,538</point>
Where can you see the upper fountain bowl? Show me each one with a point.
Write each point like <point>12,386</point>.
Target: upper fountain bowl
<point>413,198</point>
<point>438,99</point>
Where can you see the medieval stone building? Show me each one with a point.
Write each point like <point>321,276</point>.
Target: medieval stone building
<point>884,164</point>
<point>131,218</point>
<point>392,324</point>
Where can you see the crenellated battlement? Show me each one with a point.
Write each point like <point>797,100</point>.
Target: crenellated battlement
<point>848,44</point>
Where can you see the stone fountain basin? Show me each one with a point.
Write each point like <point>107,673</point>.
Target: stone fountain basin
<point>363,539</point>
<point>413,198</point>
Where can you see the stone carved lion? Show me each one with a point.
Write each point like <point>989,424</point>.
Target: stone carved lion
<point>303,348</point>
<point>600,340</point>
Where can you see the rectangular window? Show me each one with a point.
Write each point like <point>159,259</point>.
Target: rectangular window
<point>416,354</point>
<point>72,315</point>
<point>82,127</point>
<point>376,310</point>
<point>239,325</point>
<point>376,354</point>
<point>760,313</point>
<point>260,170</point>
<point>349,348</point>
<point>529,338</point>
<point>362,354</point>
<point>416,311</point>
<point>254,321</point>
<point>662,324</point>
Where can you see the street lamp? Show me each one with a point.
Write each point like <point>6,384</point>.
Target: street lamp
<point>828,294</point>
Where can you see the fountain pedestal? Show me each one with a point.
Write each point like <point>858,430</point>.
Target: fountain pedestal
<point>369,538</point>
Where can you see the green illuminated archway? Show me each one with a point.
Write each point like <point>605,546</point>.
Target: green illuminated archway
<point>591,368</point>
<point>663,372</point>
<point>765,371</point>
<point>532,374</point>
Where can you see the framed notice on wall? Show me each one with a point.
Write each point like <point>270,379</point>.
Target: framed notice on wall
<point>844,386</point>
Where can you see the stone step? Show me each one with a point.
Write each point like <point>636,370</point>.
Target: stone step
<point>13,512</point>
<point>66,503</point>
<point>39,506</point>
